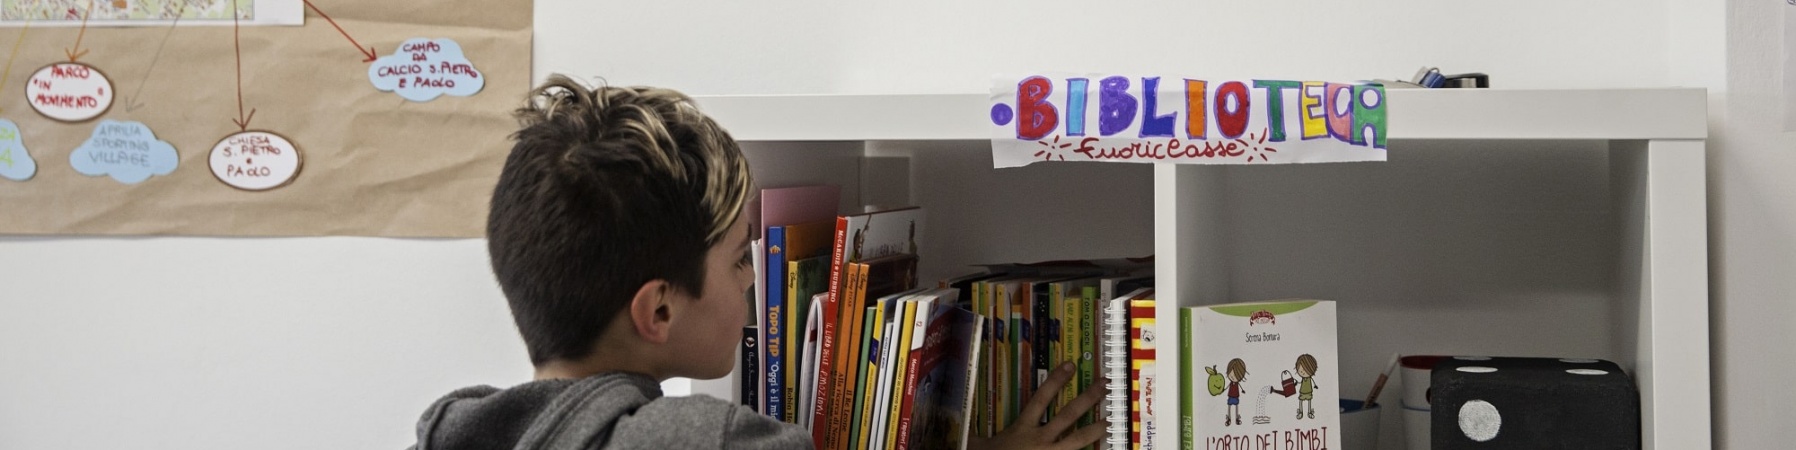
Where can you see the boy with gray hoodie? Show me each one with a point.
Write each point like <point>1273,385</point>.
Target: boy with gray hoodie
<point>617,235</point>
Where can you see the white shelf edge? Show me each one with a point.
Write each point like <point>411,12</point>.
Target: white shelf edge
<point>1669,113</point>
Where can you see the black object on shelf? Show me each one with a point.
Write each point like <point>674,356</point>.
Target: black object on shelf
<point>1533,403</point>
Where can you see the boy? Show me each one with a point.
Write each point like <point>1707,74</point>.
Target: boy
<point>616,233</point>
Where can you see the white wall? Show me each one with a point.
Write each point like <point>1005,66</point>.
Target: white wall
<point>949,46</point>
<point>1752,246</point>
<point>340,342</point>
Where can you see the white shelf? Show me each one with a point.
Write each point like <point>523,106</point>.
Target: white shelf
<point>1656,160</point>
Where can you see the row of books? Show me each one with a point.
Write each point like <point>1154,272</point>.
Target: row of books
<point>853,350</point>
<point>1043,316</point>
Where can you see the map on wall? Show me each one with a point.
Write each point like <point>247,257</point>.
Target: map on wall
<point>150,12</point>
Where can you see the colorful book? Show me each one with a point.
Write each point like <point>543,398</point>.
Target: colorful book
<point>1067,295</point>
<point>919,315</point>
<point>892,310</point>
<point>852,298</point>
<point>864,396</point>
<point>857,237</point>
<point>1141,360</point>
<point>1264,367</point>
<point>942,403</point>
<point>773,328</point>
<point>808,241</point>
<point>1005,361</point>
<point>914,309</point>
<point>821,435</point>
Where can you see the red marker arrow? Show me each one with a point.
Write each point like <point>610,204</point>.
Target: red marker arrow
<point>242,121</point>
<point>75,54</point>
<point>369,52</point>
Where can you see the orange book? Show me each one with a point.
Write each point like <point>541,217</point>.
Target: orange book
<point>853,309</point>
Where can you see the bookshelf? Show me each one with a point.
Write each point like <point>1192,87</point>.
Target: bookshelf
<point>1588,205</point>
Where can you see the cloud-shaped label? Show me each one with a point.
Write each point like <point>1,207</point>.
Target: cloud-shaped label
<point>423,69</point>
<point>128,151</point>
<point>15,162</point>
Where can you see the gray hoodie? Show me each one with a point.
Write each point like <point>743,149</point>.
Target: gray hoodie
<point>609,411</point>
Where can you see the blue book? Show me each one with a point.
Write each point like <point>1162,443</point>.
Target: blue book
<point>774,329</point>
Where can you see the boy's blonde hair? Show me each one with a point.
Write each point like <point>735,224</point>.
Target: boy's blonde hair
<point>606,189</point>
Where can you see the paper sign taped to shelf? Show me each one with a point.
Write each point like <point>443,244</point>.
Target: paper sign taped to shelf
<point>1176,120</point>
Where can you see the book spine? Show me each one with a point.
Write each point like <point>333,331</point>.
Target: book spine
<point>773,328</point>
<point>751,371</point>
<point>903,368</point>
<point>912,371</point>
<point>982,407</point>
<point>848,335</point>
<point>1005,360</point>
<point>796,309</point>
<point>893,313</point>
<point>1020,364</point>
<point>1141,318</point>
<point>1116,374</point>
<point>863,393</point>
<point>1040,314</point>
<point>1188,390</point>
<point>1069,340</point>
<point>826,352</point>
<point>1087,343</point>
<point>970,398</point>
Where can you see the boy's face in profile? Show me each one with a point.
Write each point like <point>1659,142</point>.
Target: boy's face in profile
<point>705,336</point>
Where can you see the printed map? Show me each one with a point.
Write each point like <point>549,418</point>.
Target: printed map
<point>103,10</point>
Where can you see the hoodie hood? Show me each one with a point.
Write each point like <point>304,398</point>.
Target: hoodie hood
<point>608,411</point>
<point>545,415</point>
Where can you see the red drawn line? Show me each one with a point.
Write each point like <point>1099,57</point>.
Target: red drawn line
<point>242,121</point>
<point>75,55</point>
<point>358,46</point>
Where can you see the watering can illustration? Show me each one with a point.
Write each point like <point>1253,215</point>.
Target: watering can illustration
<point>1287,384</point>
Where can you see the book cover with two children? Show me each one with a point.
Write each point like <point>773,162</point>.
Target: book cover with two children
<point>1260,376</point>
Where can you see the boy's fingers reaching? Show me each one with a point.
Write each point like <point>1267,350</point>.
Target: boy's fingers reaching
<point>1038,404</point>
<point>1082,437</point>
<point>1064,418</point>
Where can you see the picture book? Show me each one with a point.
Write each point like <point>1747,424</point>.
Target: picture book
<point>1263,375</point>
<point>942,402</point>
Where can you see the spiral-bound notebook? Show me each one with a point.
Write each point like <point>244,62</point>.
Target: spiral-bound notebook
<point>1116,370</point>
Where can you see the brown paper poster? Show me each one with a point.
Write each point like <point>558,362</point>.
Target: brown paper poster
<point>372,162</point>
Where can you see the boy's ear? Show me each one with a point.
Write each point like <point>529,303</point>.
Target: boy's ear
<point>651,311</point>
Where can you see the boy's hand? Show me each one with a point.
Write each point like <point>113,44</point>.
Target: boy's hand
<point>1027,433</point>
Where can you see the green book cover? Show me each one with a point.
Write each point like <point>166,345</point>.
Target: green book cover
<point>1187,434</point>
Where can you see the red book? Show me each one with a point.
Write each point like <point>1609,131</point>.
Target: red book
<point>827,352</point>
<point>912,367</point>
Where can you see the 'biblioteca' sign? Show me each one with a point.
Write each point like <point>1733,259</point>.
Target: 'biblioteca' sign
<point>1150,119</point>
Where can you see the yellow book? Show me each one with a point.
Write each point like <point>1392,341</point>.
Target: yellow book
<point>898,371</point>
<point>870,373</point>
